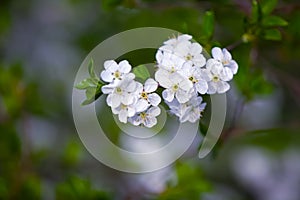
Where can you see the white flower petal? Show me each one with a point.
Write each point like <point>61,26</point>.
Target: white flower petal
<point>184,37</point>
<point>106,76</point>
<point>185,85</point>
<point>233,66</point>
<point>123,116</point>
<point>202,106</point>
<point>141,105</point>
<point>124,66</point>
<point>129,76</point>
<point>201,86</point>
<point>182,96</point>
<point>162,77</point>
<point>108,100</point>
<point>212,87</point>
<point>116,111</point>
<point>171,41</point>
<point>115,100</point>
<point>199,60</point>
<point>217,67</point>
<point>168,95</point>
<point>127,98</point>
<point>227,56</point>
<point>223,86</point>
<point>217,53</point>
<point>139,88</point>
<point>150,85</point>
<point>154,99</point>
<point>135,120</point>
<point>195,49</point>
<point>159,56</point>
<point>226,74</point>
<point>150,122</point>
<point>110,65</point>
<point>154,111</point>
<point>129,85</point>
<point>205,74</point>
<point>107,89</point>
<point>130,111</point>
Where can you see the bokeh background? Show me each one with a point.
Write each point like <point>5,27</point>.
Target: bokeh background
<point>42,44</point>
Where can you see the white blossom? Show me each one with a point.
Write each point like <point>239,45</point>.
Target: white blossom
<point>114,71</point>
<point>146,92</point>
<point>190,111</point>
<point>192,53</point>
<point>175,43</point>
<point>176,86</point>
<point>224,56</point>
<point>147,118</point>
<point>122,92</point>
<point>168,61</point>
<point>124,111</point>
<point>216,76</point>
<point>195,75</point>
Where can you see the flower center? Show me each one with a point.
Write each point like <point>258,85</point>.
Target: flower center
<point>225,62</point>
<point>215,79</point>
<point>172,69</point>
<point>189,57</point>
<point>118,90</point>
<point>123,107</point>
<point>193,79</point>
<point>117,74</point>
<point>143,115</point>
<point>175,87</point>
<point>144,95</point>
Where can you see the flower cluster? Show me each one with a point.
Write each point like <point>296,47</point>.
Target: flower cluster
<point>129,99</point>
<point>183,72</point>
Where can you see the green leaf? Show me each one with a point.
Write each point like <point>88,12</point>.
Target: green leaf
<point>256,13</point>
<point>91,69</point>
<point>92,94</point>
<point>141,72</point>
<point>86,83</point>
<point>268,6</point>
<point>273,20</point>
<point>208,24</point>
<point>272,34</point>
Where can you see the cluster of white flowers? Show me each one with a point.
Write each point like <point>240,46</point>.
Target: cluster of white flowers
<point>129,99</point>
<point>183,72</point>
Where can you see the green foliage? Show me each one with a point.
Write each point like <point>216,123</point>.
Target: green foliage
<point>91,85</point>
<point>261,24</point>
<point>18,95</point>
<point>76,188</point>
<point>141,72</point>
<point>191,184</point>
<point>72,153</point>
<point>207,29</point>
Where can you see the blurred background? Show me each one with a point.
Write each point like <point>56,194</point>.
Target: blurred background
<point>42,44</point>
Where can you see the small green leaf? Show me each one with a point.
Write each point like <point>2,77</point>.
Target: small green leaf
<point>92,94</point>
<point>141,72</point>
<point>87,102</point>
<point>91,69</point>
<point>273,20</point>
<point>268,6</point>
<point>272,34</point>
<point>256,13</point>
<point>84,84</point>
<point>208,24</point>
